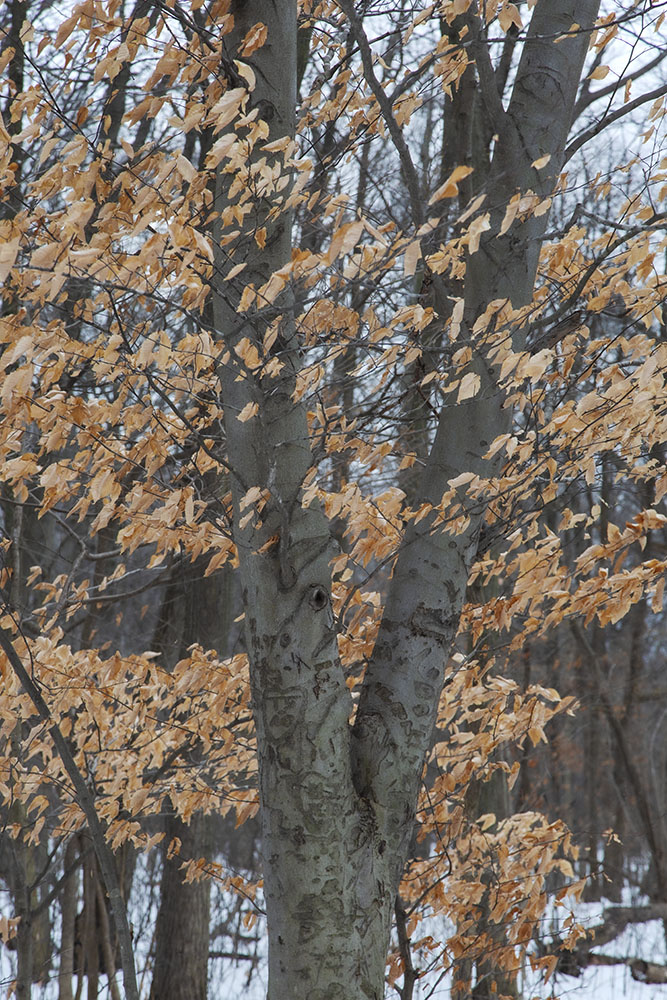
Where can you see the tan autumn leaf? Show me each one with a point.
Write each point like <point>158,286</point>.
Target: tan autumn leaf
<point>510,215</point>
<point>249,410</point>
<point>534,365</point>
<point>478,226</point>
<point>235,270</point>
<point>469,387</point>
<point>509,15</point>
<point>221,148</point>
<point>449,189</point>
<point>185,168</point>
<point>253,39</point>
<point>227,108</point>
<point>246,72</point>
<point>344,240</point>
<point>411,257</point>
<point>248,353</point>
<point>8,253</point>
<point>599,73</point>
<point>66,28</point>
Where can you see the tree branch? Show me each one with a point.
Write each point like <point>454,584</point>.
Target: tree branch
<point>587,98</point>
<point>599,126</point>
<point>488,82</point>
<point>97,828</point>
<point>407,166</point>
<point>410,974</point>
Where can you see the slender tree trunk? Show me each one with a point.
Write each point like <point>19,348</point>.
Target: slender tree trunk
<point>195,609</point>
<point>182,928</point>
<point>90,964</point>
<point>68,903</point>
<point>24,935</point>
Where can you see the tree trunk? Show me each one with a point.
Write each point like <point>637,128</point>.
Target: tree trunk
<point>181,931</point>
<point>195,609</point>
<point>24,937</point>
<point>338,806</point>
<point>68,904</point>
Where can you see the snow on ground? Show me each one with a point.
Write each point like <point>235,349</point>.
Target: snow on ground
<point>644,941</point>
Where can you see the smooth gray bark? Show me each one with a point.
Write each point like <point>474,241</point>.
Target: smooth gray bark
<point>338,805</point>
<point>406,673</point>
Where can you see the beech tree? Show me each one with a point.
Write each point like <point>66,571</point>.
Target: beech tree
<point>372,413</point>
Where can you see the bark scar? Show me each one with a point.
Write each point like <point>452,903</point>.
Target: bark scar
<point>432,622</point>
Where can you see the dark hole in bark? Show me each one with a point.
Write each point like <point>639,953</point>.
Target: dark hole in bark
<point>319,598</point>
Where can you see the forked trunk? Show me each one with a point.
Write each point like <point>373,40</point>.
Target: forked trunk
<point>338,805</point>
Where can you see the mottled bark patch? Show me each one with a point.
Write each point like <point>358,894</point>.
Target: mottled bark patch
<point>434,623</point>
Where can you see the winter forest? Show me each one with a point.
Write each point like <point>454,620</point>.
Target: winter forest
<point>333,537</point>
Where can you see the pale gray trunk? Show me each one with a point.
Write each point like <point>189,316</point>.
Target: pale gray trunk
<point>403,681</point>
<point>338,807</point>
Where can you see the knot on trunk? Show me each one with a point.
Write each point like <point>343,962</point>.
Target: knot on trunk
<point>318,598</point>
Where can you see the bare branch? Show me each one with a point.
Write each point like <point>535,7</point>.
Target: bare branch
<point>587,97</point>
<point>609,119</point>
<point>409,171</point>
